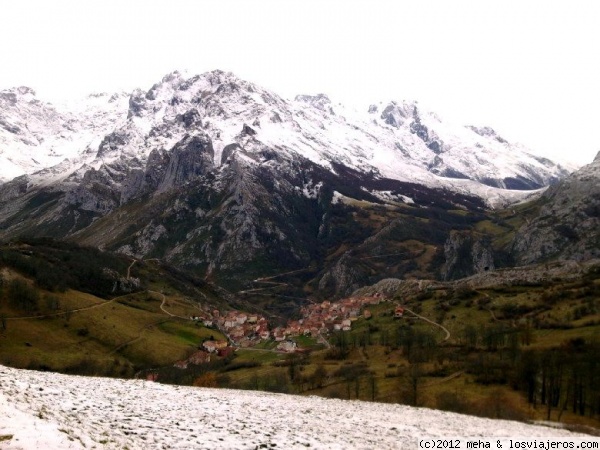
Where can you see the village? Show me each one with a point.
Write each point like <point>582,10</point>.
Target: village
<point>326,317</point>
<point>245,330</point>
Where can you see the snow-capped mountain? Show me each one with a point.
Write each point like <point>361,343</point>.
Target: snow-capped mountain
<point>49,410</point>
<point>395,140</point>
<point>225,178</point>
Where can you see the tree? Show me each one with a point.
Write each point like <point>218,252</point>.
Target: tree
<point>373,387</point>
<point>409,385</point>
<point>293,361</point>
<point>415,373</point>
<point>319,376</point>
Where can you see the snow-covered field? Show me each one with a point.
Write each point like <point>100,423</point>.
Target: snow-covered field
<point>51,411</point>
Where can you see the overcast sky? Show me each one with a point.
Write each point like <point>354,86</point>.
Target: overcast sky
<point>530,69</point>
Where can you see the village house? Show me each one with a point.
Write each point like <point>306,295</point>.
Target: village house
<point>237,332</point>
<point>245,343</point>
<point>287,346</point>
<point>225,351</point>
<point>346,325</point>
<point>264,334</point>
<point>229,323</point>
<point>181,364</point>
<point>279,334</point>
<point>199,357</point>
<point>213,346</point>
<point>399,312</point>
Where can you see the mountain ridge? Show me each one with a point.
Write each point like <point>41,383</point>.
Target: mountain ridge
<point>415,142</point>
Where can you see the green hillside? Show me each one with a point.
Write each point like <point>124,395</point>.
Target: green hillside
<point>78,310</point>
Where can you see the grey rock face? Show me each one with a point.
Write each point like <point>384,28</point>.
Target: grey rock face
<point>191,157</point>
<point>568,223</point>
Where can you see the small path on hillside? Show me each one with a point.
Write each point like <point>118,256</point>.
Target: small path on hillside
<point>444,329</point>
<point>494,318</point>
<point>162,305</point>
<point>386,255</point>
<point>96,305</point>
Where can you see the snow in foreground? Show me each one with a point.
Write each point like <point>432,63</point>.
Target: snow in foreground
<point>53,411</point>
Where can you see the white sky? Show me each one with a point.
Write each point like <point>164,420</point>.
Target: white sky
<point>528,68</point>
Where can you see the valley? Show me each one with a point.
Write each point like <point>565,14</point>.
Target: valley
<point>207,232</point>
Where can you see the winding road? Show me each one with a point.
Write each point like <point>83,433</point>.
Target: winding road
<point>444,329</point>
